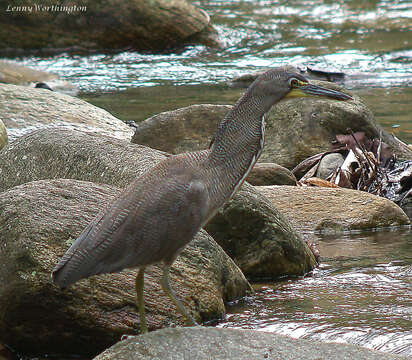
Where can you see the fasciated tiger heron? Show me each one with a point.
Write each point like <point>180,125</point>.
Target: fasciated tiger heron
<point>160,212</point>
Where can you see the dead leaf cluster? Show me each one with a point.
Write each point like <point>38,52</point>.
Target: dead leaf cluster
<point>369,165</point>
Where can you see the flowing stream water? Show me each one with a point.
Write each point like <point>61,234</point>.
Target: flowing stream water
<point>362,292</point>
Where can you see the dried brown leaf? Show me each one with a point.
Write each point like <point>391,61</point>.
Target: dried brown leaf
<point>314,181</point>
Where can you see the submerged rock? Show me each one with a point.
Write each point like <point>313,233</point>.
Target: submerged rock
<point>113,24</point>
<point>333,209</point>
<point>26,109</point>
<point>224,344</point>
<point>38,221</point>
<point>259,238</point>
<point>4,140</point>
<point>270,174</point>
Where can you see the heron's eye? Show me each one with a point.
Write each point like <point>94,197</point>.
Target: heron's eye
<point>294,83</point>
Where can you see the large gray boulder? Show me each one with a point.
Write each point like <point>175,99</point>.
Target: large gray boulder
<point>54,153</point>
<point>25,109</point>
<point>331,210</point>
<point>110,24</point>
<point>187,129</point>
<point>225,344</point>
<point>38,221</point>
<point>65,153</point>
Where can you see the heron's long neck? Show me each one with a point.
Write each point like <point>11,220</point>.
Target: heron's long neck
<point>237,145</point>
<point>240,136</point>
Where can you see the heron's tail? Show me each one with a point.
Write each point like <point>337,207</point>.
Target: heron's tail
<point>73,265</point>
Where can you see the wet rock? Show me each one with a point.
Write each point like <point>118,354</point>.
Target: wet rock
<point>4,140</point>
<point>324,72</point>
<point>113,24</point>
<point>270,174</point>
<point>319,71</point>
<point>333,209</point>
<point>329,164</point>
<point>187,129</point>
<point>55,153</point>
<point>38,222</point>
<point>223,344</point>
<point>259,238</point>
<point>26,109</point>
<point>63,153</point>
<point>312,72</point>
<point>43,85</point>
<point>13,73</point>
<point>299,128</point>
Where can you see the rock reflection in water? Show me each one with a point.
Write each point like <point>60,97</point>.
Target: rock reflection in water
<point>361,294</point>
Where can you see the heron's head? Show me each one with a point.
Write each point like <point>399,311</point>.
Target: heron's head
<point>280,83</point>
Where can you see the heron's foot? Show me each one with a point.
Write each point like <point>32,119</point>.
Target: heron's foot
<point>143,329</point>
<point>140,301</point>
<point>190,321</point>
<point>169,292</point>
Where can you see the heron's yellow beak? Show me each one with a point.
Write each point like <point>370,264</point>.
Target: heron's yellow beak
<point>305,89</point>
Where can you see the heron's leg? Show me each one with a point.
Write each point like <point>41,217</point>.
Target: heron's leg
<point>140,300</point>
<point>169,292</point>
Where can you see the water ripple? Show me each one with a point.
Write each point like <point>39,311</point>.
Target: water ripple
<point>364,299</point>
